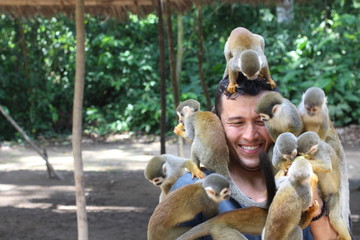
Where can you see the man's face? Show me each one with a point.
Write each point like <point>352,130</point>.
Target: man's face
<point>245,132</point>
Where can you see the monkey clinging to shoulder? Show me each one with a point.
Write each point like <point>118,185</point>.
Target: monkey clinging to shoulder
<point>244,52</point>
<point>164,170</point>
<point>204,129</point>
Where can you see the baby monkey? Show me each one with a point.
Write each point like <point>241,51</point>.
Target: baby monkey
<point>164,170</point>
<point>205,131</point>
<point>184,204</point>
<point>244,52</point>
<point>314,112</point>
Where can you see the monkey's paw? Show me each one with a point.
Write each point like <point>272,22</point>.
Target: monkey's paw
<point>272,83</point>
<point>179,130</point>
<point>232,88</point>
<point>313,207</point>
<point>198,173</point>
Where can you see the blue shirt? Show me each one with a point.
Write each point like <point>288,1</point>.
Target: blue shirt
<point>224,206</point>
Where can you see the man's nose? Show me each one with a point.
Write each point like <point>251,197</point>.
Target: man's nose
<point>250,131</point>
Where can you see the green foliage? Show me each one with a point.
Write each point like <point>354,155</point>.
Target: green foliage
<point>318,48</point>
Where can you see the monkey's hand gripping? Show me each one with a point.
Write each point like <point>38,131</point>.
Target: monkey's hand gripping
<point>180,131</point>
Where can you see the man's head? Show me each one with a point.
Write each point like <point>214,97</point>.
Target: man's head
<point>245,132</point>
<point>245,87</point>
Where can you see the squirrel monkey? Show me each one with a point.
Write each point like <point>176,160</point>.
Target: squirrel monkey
<point>184,204</point>
<point>164,170</point>
<point>314,112</point>
<point>244,52</point>
<point>332,182</point>
<point>205,131</point>
<point>285,151</point>
<point>250,220</point>
<point>279,115</point>
<point>291,207</point>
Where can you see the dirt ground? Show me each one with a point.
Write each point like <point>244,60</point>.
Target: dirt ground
<point>119,199</point>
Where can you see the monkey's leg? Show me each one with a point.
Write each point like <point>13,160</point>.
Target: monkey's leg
<point>320,166</point>
<point>194,169</point>
<point>335,217</point>
<point>265,72</point>
<point>232,80</point>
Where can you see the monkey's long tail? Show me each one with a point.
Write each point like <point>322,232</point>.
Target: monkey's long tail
<point>268,173</point>
<point>196,232</point>
<point>344,191</point>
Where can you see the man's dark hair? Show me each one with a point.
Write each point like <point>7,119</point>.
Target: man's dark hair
<point>245,87</point>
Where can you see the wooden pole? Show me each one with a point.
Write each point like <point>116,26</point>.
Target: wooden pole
<point>200,59</point>
<point>77,121</point>
<point>173,69</point>
<point>162,77</point>
<point>179,60</point>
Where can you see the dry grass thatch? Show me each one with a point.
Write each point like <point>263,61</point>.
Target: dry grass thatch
<point>118,9</point>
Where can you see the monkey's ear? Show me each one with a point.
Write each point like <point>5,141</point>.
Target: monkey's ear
<point>187,109</point>
<point>313,149</point>
<point>275,108</point>
<point>164,168</point>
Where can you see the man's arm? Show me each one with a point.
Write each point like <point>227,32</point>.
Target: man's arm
<point>321,228</point>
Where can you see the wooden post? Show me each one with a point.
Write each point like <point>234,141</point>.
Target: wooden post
<point>77,121</point>
<point>200,59</point>
<point>173,68</point>
<point>162,77</point>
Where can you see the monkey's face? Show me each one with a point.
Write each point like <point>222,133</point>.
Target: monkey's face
<point>264,117</point>
<point>218,197</point>
<point>252,77</point>
<point>312,110</point>
<point>157,181</point>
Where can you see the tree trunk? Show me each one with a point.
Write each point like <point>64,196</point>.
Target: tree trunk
<point>162,77</point>
<point>77,121</point>
<point>173,70</point>
<point>285,11</point>
<point>200,59</point>
<point>180,48</point>
<point>172,58</point>
<point>179,60</point>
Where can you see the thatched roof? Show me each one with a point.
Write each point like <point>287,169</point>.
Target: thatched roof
<point>118,9</point>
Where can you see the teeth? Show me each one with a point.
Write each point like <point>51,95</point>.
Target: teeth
<point>250,147</point>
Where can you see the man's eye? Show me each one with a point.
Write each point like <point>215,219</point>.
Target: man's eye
<point>236,123</point>
<point>260,123</point>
